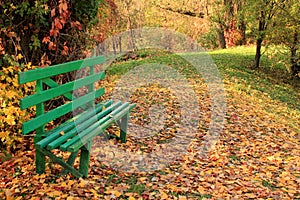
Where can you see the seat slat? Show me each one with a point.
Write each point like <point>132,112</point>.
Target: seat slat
<point>87,136</point>
<point>94,126</point>
<point>80,127</point>
<point>60,90</point>
<point>60,111</point>
<point>68,125</point>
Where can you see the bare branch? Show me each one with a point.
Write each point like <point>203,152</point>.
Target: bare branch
<point>183,12</point>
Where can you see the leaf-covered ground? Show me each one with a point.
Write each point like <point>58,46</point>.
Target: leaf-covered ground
<point>256,156</point>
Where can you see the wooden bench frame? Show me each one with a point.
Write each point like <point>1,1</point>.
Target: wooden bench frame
<point>77,133</point>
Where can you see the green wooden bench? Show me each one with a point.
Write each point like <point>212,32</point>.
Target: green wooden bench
<point>76,134</point>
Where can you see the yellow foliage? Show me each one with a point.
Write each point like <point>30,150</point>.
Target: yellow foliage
<point>10,94</point>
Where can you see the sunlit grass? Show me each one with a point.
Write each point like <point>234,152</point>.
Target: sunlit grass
<point>234,64</point>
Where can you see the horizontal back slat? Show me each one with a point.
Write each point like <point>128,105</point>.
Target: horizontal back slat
<point>60,111</point>
<point>59,90</point>
<point>51,83</point>
<point>41,73</point>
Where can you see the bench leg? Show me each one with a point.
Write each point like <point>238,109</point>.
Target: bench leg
<point>70,161</point>
<point>60,161</point>
<point>123,124</point>
<point>40,159</point>
<point>85,159</point>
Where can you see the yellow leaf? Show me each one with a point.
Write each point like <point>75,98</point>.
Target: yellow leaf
<point>94,192</point>
<point>9,195</point>
<point>63,184</point>
<point>142,179</point>
<point>10,120</point>
<point>164,195</point>
<point>82,183</point>
<point>182,197</point>
<point>70,183</point>
<point>116,193</point>
<point>19,56</point>
<point>4,135</point>
<point>201,190</point>
<point>117,133</point>
<point>251,195</point>
<point>131,198</point>
<point>55,194</point>
<point>61,133</point>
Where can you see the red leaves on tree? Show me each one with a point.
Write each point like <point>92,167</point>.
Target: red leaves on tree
<point>60,19</point>
<point>57,24</point>
<point>76,25</point>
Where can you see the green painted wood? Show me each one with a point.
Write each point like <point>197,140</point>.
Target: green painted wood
<point>55,133</point>
<point>60,111</point>
<point>60,90</point>
<point>86,125</point>
<point>91,87</point>
<point>100,129</point>
<point>78,137</point>
<point>123,124</point>
<point>81,129</point>
<point>41,73</point>
<point>52,84</point>
<point>68,95</point>
<point>61,162</point>
<point>85,159</point>
<point>70,161</point>
<point>39,158</point>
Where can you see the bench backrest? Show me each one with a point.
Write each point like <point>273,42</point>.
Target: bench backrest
<point>43,76</point>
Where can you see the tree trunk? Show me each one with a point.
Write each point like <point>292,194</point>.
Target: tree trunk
<point>261,28</point>
<point>295,67</point>
<point>242,24</point>
<point>242,32</point>
<point>258,52</point>
<point>221,37</point>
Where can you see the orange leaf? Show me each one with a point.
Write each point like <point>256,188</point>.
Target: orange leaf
<point>57,23</point>
<point>53,12</point>
<point>9,195</point>
<point>46,39</point>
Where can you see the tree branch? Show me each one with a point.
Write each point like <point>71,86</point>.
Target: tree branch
<point>183,12</point>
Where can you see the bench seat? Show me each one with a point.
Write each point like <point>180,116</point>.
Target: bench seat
<point>75,133</point>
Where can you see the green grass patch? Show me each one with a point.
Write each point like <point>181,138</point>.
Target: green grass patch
<point>139,188</point>
<point>233,64</point>
<point>178,63</point>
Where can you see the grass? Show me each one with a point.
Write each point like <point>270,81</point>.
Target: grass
<point>274,82</point>
<point>233,64</point>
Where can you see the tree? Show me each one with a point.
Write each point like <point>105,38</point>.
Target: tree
<point>225,15</point>
<point>36,33</point>
<point>42,32</point>
<point>261,14</point>
<point>286,33</point>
